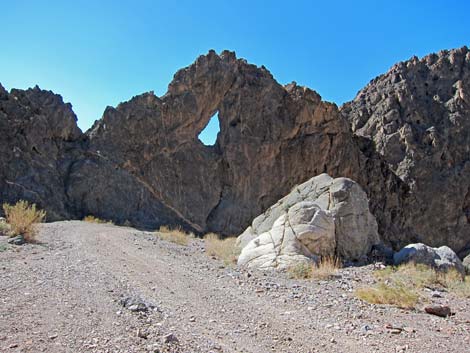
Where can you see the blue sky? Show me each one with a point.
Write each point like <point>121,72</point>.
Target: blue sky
<point>99,53</point>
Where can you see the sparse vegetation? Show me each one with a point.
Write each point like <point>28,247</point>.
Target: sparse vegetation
<point>223,249</point>
<point>397,294</point>
<point>400,285</point>
<point>93,219</point>
<point>325,269</point>
<point>4,228</point>
<point>174,235</point>
<point>22,219</point>
<point>302,270</point>
<point>3,247</point>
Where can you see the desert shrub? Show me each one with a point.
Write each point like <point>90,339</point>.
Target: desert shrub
<point>324,269</point>
<point>22,219</point>
<point>396,294</point>
<point>224,249</point>
<point>174,235</point>
<point>93,219</point>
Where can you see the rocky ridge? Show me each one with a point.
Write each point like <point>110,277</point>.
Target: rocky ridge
<point>417,116</point>
<point>142,162</point>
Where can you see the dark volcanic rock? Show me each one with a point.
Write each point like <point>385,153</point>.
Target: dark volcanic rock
<point>45,159</point>
<point>143,162</point>
<point>271,138</point>
<point>418,117</point>
<point>36,131</point>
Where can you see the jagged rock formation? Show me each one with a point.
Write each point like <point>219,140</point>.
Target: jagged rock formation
<point>418,117</point>
<point>321,217</point>
<point>36,130</point>
<point>143,162</point>
<point>45,159</point>
<point>271,138</point>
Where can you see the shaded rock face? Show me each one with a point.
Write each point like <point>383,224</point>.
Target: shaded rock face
<point>466,264</point>
<point>321,217</point>
<point>418,117</point>
<point>36,130</point>
<point>45,159</point>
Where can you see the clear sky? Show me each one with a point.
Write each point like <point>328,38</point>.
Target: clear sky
<point>99,53</point>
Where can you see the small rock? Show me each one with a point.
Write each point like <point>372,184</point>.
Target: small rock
<point>142,334</point>
<point>170,338</point>
<point>18,240</point>
<point>136,304</point>
<point>438,310</point>
<point>409,329</point>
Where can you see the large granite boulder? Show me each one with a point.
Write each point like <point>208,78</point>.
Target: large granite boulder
<point>321,217</point>
<point>417,116</point>
<point>302,233</point>
<point>442,258</point>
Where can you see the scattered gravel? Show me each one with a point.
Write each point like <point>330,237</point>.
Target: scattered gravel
<point>100,288</point>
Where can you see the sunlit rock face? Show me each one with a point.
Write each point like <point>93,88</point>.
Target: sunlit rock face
<point>417,116</point>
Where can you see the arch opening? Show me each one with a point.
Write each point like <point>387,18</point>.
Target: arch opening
<point>208,135</point>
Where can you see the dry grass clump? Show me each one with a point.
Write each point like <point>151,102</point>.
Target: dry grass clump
<point>22,219</point>
<point>223,249</point>
<point>93,219</point>
<point>400,285</point>
<point>174,235</point>
<point>325,269</point>
<point>419,276</point>
<point>397,294</point>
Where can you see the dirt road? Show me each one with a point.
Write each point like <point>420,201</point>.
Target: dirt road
<point>68,294</point>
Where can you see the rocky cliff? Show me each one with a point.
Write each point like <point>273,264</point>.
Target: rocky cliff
<point>417,116</point>
<point>271,138</point>
<point>143,161</point>
<point>45,159</point>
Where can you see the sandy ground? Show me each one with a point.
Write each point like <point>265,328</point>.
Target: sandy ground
<point>65,294</point>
